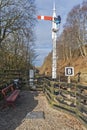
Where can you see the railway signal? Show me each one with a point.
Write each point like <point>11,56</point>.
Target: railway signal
<point>56,20</point>
<point>50,18</point>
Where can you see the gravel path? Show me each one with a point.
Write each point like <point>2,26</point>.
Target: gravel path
<point>15,119</point>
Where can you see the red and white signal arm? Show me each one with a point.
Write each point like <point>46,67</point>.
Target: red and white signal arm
<point>69,71</point>
<point>50,18</point>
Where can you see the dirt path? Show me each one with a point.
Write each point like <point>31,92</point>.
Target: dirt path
<point>54,120</point>
<point>15,119</point>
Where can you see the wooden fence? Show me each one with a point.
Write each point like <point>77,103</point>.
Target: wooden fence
<point>7,76</point>
<point>70,98</point>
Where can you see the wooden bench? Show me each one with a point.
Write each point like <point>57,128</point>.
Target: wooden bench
<point>10,95</point>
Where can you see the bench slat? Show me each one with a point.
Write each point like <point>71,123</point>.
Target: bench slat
<point>13,96</point>
<point>10,94</point>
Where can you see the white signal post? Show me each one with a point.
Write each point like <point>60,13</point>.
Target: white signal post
<point>55,29</point>
<point>54,38</point>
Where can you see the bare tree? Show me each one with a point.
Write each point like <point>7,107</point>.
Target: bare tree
<point>16,16</point>
<point>77,20</point>
<point>17,20</point>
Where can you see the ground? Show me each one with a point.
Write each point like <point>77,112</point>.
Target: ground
<point>15,118</point>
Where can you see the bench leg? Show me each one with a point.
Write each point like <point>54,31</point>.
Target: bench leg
<point>4,106</point>
<point>11,104</point>
<point>8,104</point>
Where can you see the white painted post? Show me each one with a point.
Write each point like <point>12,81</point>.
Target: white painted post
<point>69,79</point>
<point>54,38</point>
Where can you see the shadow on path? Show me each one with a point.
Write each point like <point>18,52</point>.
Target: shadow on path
<point>11,118</point>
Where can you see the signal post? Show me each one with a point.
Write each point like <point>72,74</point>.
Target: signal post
<point>56,20</point>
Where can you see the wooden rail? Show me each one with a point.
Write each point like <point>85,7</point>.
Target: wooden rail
<point>71,98</point>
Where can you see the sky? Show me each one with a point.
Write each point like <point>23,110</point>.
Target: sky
<point>43,28</point>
